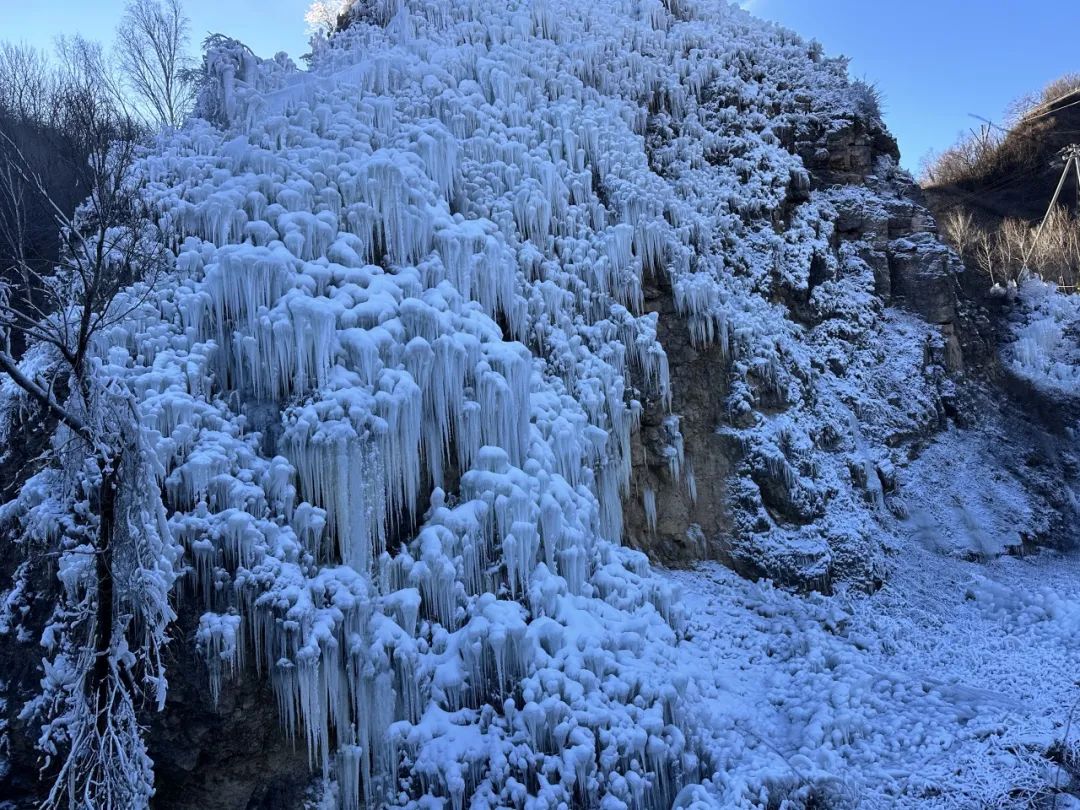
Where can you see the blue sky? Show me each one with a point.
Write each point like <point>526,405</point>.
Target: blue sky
<point>935,60</point>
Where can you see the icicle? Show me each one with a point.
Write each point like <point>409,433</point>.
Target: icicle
<point>648,501</point>
<point>419,270</point>
<point>217,640</point>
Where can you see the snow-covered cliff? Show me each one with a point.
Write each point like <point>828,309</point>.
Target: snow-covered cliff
<point>495,300</point>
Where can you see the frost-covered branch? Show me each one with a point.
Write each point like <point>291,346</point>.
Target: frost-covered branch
<point>45,397</point>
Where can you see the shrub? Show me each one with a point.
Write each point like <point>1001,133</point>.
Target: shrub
<point>1003,253</point>
<point>1056,256</point>
<point>974,155</point>
<point>868,99</point>
<point>992,150</point>
<point>958,228</point>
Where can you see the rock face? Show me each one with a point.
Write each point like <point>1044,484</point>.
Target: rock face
<point>921,273</point>
<point>491,298</point>
<point>881,388</point>
<point>227,755</point>
<point>677,510</point>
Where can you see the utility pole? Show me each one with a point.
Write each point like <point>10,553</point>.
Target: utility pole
<point>1071,154</point>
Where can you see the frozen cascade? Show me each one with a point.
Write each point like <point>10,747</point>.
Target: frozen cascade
<point>217,639</point>
<point>428,256</point>
<point>863,458</point>
<point>648,500</point>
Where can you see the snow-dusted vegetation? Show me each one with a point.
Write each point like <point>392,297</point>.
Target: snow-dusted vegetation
<point>389,391</point>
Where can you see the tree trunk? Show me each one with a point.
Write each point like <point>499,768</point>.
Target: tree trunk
<point>103,625</point>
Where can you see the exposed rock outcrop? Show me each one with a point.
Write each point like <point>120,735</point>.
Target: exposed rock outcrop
<point>227,755</point>
<point>822,501</point>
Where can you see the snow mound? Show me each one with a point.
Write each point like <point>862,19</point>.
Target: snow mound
<point>949,688</point>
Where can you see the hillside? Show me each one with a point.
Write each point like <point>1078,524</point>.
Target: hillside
<point>1020,180</point>
<point>993,207</point>
<point>475,339</point>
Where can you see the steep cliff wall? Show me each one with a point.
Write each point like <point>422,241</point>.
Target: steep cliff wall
<point>813,481</point>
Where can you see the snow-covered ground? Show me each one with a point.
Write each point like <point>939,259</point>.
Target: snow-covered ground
<point>944,689</point>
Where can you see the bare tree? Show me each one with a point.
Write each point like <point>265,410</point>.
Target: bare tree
<point>1073,252</point>
<point>986,254</point>
<point>151,47</point>
<point>322,16</point>
<point>111,620</point>
<point>16,218</point>
<point>61,130</point>
<point>1050,256</point>
<point>1014,241</point>
<point>27,88</point>
<point>26,82</point>
<point>84,68</point>
<point>51,112</point>
<point>959,229</point>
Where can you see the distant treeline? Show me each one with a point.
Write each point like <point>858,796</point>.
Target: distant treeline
<point>64,115</point>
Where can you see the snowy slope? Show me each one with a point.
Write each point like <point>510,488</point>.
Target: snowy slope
<point>943,690</point>
<point>394,383</point>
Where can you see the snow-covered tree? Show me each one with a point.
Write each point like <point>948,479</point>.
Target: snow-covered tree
<point>95,508</point>
<point>322,15</point>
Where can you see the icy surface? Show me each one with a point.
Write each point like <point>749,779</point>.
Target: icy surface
<point>390,383</point>
<point>942,690</point>
<point>1046,346</point>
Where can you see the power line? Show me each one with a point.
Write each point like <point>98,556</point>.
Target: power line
<point>1051,109</point>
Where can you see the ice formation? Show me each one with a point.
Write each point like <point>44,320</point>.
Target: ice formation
<point>393,380</point>
<point>1044,349</point>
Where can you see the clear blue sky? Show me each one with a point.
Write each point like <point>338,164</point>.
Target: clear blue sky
<point>935,60</point>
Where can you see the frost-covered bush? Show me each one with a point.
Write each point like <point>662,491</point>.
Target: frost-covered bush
<point>868,99</point>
